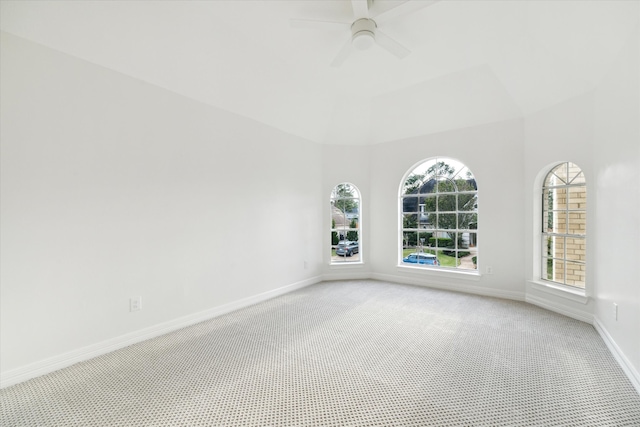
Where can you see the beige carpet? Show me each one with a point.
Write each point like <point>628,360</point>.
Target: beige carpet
<point>354,353</point>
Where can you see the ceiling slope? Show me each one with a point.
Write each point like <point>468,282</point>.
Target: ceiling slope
<point>471,62</point>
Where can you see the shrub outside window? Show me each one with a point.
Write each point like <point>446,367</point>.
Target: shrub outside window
<point>439,214</point>
<point>564,226</point>
<point>345,224</point>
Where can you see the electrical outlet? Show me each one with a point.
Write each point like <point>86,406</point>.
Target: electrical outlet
<point>615,311</point>
<point>489,270</point>
<point>135,304</point>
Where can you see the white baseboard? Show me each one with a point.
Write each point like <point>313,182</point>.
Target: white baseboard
<point>55,363</point>
<point>457,287</point>
<point>622,360</point>
<point>574,313</point>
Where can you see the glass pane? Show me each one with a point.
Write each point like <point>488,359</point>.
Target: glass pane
<point>547,199</point>
<point>442,240</point>
<point>467,202</point>
<point>347,250</point>
<point>547,221</point>
<point>447,221</point>
<point>473,241</point>
<point>577,223</point>
<point>446,186</point>
<point>447,203</point>
<point>428,187</point>
<point>575,274</point>
<point>560,173</point>
<point>338,218</point>
<point>409,239</point>
<point>429,203</point>
<point>412,184</point>
<point>558,197</point>
<point>410,221</point>
<point>578,179</point>
<point>344,190</point>
<point>547,246</point>
<point>557,247</point>
<point>468,221</point>
<point>558,270</point>
<point>575,174</point>
<point>578,198</point>
<point>465,253</point>
<point>558,222</point>
<point>576,249</point>
<point>547,269</point>
<point>410,204</point>
<point>423,240</point>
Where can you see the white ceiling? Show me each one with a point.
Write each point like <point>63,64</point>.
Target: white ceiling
<point>472,62</point>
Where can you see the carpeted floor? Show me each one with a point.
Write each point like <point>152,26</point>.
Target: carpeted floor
<point>353,353</point>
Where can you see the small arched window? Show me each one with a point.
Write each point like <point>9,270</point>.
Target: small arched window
<point>345,224</point>
<point>564,226</point>
<point>439,214</point>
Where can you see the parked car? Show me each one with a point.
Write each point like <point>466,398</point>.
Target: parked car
<point>421,258</point>
<point>347,248</point>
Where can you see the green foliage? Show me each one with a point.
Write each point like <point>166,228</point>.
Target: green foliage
<point>474,260</point>
<point>352,235</point>
<point>441,169</point>
<point>413,182</point>
<point>441,242</point>
<point>345,198</point>
<point>334,238</point>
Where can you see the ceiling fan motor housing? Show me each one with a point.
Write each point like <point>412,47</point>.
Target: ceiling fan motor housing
<point>363,33</point>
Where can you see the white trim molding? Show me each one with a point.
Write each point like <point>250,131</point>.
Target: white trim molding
<point>627,367</point>
<point>64,360</point>
<point>574,313</point>
<point>434,282</point>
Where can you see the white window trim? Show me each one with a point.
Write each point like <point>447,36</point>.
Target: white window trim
<point>438,271</point>
<point>345,264</point>
<point>572,293</point>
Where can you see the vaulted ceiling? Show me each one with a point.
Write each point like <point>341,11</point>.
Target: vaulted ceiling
<point>471,62</point>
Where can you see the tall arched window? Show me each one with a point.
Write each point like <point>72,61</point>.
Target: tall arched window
<point>564,226</point>
<point>439,214</point>
<point>345,224</point>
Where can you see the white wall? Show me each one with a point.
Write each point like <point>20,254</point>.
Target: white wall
<point>347,163</point>
<point>616,158</point>
<point>494,153</point>
<point>563,132</point>
<point>600,132</point>
<point>113,188</point>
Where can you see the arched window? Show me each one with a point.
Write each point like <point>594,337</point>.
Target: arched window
<point>345,224</point>
<point>564,225</point>
<point>439,214</point>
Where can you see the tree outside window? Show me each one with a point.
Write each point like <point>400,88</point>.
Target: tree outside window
<point>439,211</point>
<point>345,224</point>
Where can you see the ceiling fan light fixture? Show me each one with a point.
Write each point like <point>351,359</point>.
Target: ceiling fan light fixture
<point>363,40</point>
<point>363,33</point>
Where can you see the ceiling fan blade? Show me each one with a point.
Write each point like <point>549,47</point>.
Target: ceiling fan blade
<point>408,6</point>
<point>360,8</point>
<point>344,52</point>
<point>318,25</point>
<point>391,45</point>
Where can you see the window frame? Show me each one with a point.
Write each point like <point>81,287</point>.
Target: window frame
<point>458,231</point>
<point>353,259</point>
<point>546,237</point>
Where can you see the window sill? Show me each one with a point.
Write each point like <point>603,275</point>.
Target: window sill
<point>573,294</point>
<point>347,264</point>
<point>465,275</point>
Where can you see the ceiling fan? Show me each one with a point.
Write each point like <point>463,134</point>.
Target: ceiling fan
<point>364,28</point>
